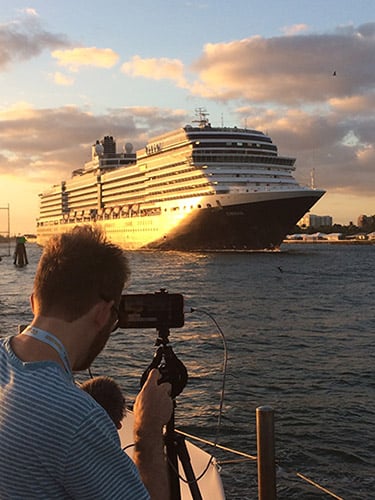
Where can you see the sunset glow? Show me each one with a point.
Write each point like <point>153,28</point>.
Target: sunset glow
<point>71,75</point>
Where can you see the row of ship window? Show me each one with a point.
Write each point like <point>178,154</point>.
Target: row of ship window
<point>107,198</point>
<point>110,214</point>
<point>185,190</point>
<point>238,137</point>
<point>238,144</point>
<point>92,190</point>
<point>223,176</point>
<point>216,158</point>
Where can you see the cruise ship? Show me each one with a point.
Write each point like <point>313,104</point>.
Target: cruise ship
<point>199,187</point>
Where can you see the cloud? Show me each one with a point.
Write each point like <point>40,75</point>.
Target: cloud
<point>295,29</point>
<point>20,110</point>
<point>29,11</point>
<point>286,87</point>
<point>357,104</point>
<point>85,56</point>
<point>366,30</point>
<point>61,79</point>
<point>288,69</point>
<point>45,145</point>
<point>319,140</point>
<point>156,69</point>
<point>24,39</point>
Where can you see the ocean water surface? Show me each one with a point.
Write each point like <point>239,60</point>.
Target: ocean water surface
<point>299,327</point>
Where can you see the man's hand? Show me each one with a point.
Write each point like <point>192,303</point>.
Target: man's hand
<point>152,410</point>
<point>153,405</point>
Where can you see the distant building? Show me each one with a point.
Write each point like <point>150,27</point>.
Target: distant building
<point>365,221</point>
<point>311,220</point>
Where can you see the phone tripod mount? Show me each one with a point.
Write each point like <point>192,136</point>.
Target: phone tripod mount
<point>173,371</point>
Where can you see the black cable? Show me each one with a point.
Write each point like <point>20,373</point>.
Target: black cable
<point>225,362</point>
<point>218,425</point>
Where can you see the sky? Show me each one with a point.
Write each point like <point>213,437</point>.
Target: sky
<point>301,71</point>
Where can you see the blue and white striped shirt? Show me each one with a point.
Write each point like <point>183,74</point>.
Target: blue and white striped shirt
<point>55,440</point>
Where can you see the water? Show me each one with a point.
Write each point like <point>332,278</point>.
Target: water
<point>300,340</point>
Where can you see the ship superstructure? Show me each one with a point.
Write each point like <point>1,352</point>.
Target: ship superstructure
<point>195,188</point>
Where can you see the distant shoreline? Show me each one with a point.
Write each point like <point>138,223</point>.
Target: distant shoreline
<point>330,242</point>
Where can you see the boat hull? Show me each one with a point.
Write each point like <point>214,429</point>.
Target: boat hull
<point>254,226</point>
<point>257,221</point>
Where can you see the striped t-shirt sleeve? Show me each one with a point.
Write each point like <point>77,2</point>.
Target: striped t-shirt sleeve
<point>94,471</point>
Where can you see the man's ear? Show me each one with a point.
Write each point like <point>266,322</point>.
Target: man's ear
<point>102,312</point>
<point>32,303</point>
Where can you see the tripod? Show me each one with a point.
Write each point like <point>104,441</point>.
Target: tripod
<point>173,371</point>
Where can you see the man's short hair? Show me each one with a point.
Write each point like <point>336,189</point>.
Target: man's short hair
<point>109,395</point>
<point>77,269</point>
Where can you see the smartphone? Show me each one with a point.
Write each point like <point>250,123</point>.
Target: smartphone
<point>151,310</point>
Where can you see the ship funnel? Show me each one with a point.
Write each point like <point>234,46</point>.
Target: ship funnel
<point>109,144</point>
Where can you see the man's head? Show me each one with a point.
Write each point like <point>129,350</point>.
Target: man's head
<point>77,270</point>
<point>109,395</point>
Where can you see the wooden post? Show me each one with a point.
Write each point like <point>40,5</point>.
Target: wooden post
<point>266,453</point>
<point>7,232</point>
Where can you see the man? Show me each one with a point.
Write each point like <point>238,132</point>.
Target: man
<point>20,256</point>
<point>55,440</point>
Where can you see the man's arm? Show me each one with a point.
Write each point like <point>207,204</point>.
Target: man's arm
<point>152,410</point>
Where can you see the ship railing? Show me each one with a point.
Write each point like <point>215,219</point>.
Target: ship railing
<point>268,468</point>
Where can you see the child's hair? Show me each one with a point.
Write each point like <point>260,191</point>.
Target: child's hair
<point>109,395</point>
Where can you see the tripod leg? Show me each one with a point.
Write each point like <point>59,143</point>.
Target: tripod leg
<point>170,444</point>
<point>184,457</point>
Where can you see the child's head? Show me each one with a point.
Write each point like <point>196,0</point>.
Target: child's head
<point>109,395</point>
